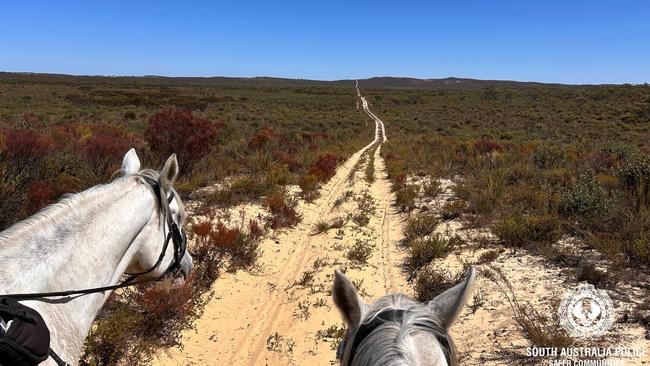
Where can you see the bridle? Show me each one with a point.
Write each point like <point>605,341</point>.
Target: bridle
<point>175,235</point>
<point>366,328</point>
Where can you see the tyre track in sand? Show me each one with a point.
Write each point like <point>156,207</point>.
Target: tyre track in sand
<point>244,324</point>
<point>293,270</point>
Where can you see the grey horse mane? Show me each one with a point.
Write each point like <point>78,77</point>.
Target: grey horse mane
<point>388,344</point>
<point>55,214</point>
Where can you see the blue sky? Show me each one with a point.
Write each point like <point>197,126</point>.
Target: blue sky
<point>550,41</point>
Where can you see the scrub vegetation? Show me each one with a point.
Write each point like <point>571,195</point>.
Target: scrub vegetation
<point>533,162</point>
<point>61,134</point>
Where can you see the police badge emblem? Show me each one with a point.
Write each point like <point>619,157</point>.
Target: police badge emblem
<point>586,312</point>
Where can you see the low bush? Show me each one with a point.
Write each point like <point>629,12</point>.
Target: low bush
<point>432,189</point>
<point>308,185</point>
<point>420,225</point>
<point>634,174</point>
<point>283,210</point>
<point>13,182</point>
<point>488,257</point>
<point>517,231</point>
<point>422,251</point>
<point>324,166</point>
<point>640,248</point>
<point>584,197</point>
<point>431,282</point>
<point>262,138</point>
<point>360,252</point>
<point>405,197</point>
<point>26,146</point>
<point>548,157</point>
<point>540,330</point>
<point>452,210</point>
<point>366,207</point>
<point>486,146</point>
<point>104,152</point>
<point>40,194</point>
<point>180,131</point>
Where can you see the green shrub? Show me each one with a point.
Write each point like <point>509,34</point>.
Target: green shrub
<point>420,225</point>
<point>423,250</point>
<point>431,282</point>
<point>405,197</point>
<point>583,197</point>
<point>518,230</point>
<point>432,189</point>
<point>360,252</point>
<point>366,207</point>
<point>547,157</point>
<point>640,248</point>
<point>634,174</point>
<point>13,182</point>
<point>452,210</point>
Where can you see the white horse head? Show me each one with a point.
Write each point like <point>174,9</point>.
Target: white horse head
<point>91,239</point>
<point>396,330</point>
<point>152,238</point>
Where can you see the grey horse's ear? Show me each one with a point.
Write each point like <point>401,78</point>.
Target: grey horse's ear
<point>130,163</point>
<point>346,299</point>
<point>448,305</point>
<point>169,172</point>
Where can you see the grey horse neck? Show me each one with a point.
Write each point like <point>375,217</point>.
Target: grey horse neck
<point>83,241</point>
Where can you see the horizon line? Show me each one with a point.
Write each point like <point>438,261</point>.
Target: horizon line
<point>315,80</point>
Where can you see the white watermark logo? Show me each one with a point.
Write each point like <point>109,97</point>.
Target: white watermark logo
<point>586,312</point>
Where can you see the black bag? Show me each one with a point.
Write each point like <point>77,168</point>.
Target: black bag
<point>27,341</point>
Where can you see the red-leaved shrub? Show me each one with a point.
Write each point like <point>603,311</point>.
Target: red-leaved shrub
<point>285,158</point>
<point>262,137</point>
<point>40,194</point>
<point>486,146</point>
<point>324,167</point>
<point>179,131</point>
<point>26,145</point>
<point>283,210</point>
<point>105,152</point>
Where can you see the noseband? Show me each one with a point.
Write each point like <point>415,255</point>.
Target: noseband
<point>384,316</point>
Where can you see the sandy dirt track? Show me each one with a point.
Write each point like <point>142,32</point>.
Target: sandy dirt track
<point>281,313</point>
<point>272,315</point>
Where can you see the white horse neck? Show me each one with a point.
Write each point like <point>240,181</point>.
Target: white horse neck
<point>81,242</point>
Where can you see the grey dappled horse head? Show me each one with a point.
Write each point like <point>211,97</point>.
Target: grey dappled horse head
<point>396,330</point>
<point>91,239</point>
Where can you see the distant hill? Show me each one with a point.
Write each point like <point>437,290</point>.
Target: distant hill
<point>375,82</point>
<point>446,83</point>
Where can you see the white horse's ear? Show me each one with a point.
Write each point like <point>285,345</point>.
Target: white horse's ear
<point>169,172</point>
<point>130,163</point>
<point>449,304</point>
<point>347,299</point>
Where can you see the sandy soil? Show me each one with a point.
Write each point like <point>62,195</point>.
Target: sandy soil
<point>273,315</point>
<point>489,335</point>
<point>281,313</point>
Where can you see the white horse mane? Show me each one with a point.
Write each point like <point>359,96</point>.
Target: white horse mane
<point>75,204</point>
<point>87,240</point>
<point>391,343</point>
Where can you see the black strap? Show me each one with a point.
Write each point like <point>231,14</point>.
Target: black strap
<point>57,359</point>
<point>388,315</point>
<point>175,235</point>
